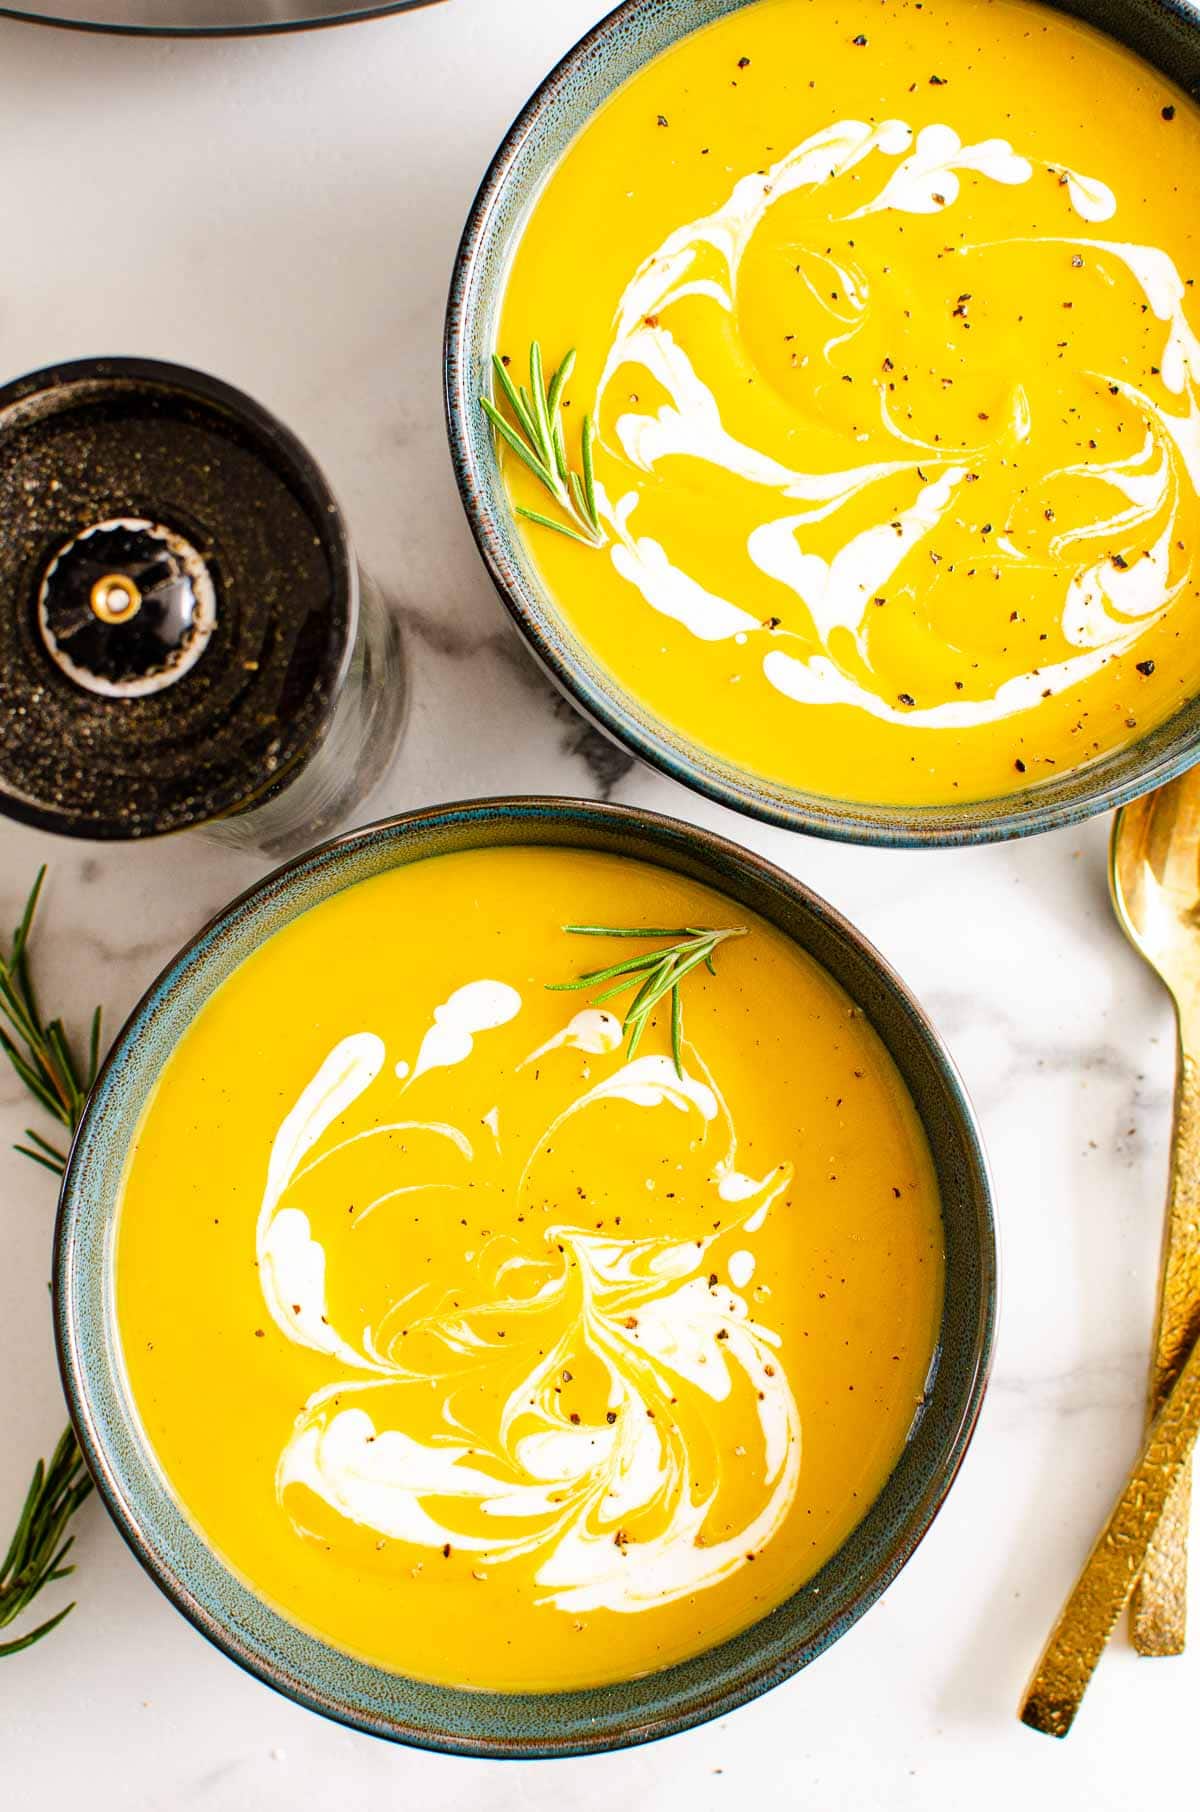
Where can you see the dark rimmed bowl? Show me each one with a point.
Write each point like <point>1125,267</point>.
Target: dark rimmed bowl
<point>488,1723</point>
<point>1165,33</point>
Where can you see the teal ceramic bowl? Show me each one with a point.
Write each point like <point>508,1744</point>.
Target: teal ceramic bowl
<point>222,1605</point>
<point>1165,33</point>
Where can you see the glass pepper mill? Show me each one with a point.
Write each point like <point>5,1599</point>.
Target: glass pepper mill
<point>185,637</point>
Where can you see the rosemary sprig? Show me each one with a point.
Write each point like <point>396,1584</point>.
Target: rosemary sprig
<point>655,974</point>
<point>537,441</point>
<point>37,1550</point>
<point>40,1052</point>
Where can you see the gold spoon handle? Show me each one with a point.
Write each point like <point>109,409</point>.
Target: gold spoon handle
<point>1102,1590</point>
<point>1158,1619</point>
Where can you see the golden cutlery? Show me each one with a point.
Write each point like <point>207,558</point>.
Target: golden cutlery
<point>1154,878</point>
<point>1102,1590</point>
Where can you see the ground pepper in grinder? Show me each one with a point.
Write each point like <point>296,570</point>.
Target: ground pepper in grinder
<point>185,638</point>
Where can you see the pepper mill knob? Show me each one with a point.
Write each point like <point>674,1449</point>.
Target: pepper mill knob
<point>126,607</point>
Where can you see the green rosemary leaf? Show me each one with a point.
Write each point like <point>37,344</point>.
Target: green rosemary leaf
<point>622,987</point>
<point>595,976</point>
<point>652,988</point>
<point>55,1165</point>
<point>640,1009</point>
<point>514,440</point>
<point>54,1566</point>
<point>537,390</point>
<point>64,1066</point>
<point>94,1047</point>
<point>21,1531</point>
<point>655,975</point>
<point>33,1081</point>
<point>538,441</point>
<point>37,1550</point>
<point>21,934</point>
<point>587,454</point>
<point>686,963</point>
<point>548,522</point>
<point>43,1629</point>
<point>14,1004</point>
<point>514,398</point>
<point>558,383</point>
<point>630,931</point>
<point>42,1057</point>
<point>51,1151</point>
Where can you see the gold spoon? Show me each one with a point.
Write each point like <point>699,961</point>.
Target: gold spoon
<point>1154,878</point>
<point>1102,1590</point>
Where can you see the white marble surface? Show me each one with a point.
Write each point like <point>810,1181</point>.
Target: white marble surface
<point>284,213</point>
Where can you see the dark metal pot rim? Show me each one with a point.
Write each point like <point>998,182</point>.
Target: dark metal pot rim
<point>355,15</point>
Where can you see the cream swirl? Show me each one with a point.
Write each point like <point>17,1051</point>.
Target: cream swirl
<point>612,1509</point>
<point>1106,604</point>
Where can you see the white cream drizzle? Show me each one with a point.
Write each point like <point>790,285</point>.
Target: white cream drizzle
<point>1104,609</point>
<point>593,1030</point>
<point>642,1308</point>
<point>927,181</point>
<point>838,591</point>
<point>741,1268</point>
<point>291,1264</point>
<point>479,1007</point>
<point>1091,199</point>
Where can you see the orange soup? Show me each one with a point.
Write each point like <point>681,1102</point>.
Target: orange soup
<point>489,1348</point>
<point>883,317</point>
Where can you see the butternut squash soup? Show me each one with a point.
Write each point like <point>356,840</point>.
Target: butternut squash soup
<point>496,1351</point>
<point>882,315</point>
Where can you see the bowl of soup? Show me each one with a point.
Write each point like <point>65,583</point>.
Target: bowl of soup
<point>488,1361</point>
<point>882,330</point>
